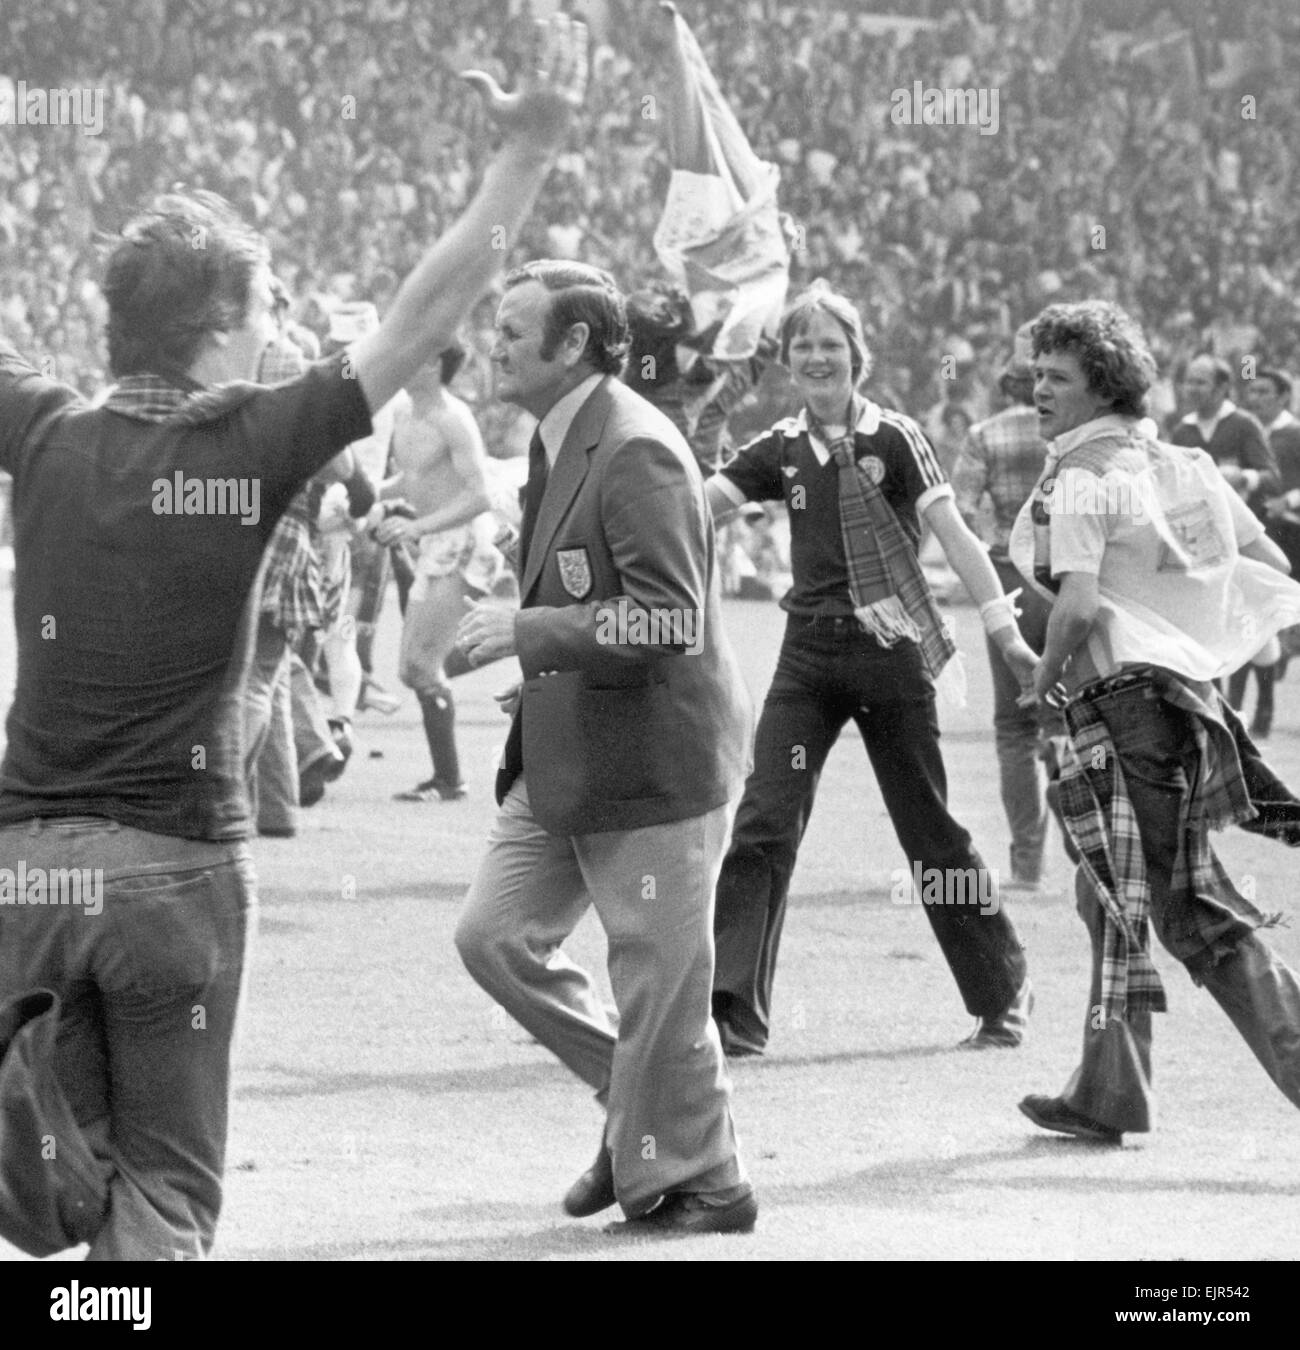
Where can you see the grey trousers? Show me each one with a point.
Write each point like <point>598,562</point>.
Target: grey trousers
<point>662,1075</point>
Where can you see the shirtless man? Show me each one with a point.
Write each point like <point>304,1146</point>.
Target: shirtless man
<point>438,451</point>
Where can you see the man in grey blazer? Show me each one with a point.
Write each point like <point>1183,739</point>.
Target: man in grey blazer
<point>628,747</point>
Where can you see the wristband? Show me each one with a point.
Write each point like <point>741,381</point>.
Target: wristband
<point>1000,613</point>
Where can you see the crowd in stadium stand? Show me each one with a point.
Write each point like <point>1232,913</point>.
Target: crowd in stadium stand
<point>340,128</point>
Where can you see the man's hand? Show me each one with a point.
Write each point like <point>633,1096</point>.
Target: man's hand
<point>396,530</point>
<point>438,296</point>
<point>540,108</point>
<point>1044,680</point>
<point>487,632</point>
<point>395,512</point>
<point>508,699</point>
<point>1022,661</point>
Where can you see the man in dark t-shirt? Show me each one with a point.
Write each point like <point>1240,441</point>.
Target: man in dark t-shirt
<point>126,888</point>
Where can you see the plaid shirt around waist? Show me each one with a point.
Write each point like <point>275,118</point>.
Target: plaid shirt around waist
<point>1100,817</point>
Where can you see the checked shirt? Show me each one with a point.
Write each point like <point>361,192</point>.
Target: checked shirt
<point>1101,819</point>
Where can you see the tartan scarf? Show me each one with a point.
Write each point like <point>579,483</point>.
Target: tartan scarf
<point>890,596</point>
<point>1099,815</point>
<point>1097,455</point>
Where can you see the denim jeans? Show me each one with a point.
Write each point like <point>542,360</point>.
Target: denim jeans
<point>150,986</point>
<point>828,673</point>
<point>271,761</point>
<point>1015,729</point>
<point>1212,934</point>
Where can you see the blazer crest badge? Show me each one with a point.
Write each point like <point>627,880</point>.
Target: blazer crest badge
<point>575,571</point>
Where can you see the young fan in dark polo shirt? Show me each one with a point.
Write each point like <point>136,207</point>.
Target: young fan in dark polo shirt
<point>139,526</point>
<point>863,650</point>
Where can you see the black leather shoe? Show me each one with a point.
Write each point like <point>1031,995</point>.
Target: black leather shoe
<point>685,1213</point>
<point>594,1189</point>
<point>1051,1113</point>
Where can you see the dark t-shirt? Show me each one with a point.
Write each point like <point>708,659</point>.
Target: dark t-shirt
<point>133,635</point>
<point>781,464</point>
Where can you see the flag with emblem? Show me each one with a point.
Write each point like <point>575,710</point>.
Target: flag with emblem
<point>720,235</point>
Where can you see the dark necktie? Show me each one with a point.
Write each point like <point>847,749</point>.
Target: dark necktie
<point>534,490</point>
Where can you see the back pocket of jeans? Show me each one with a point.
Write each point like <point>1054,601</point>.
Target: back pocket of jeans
<point>169,932</point>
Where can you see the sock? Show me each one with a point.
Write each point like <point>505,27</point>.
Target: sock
<point>439,713</point>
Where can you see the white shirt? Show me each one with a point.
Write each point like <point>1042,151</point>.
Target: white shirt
<point>1162,533</point>
<point>554,427</point>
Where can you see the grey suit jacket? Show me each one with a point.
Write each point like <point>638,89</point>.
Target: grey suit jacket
<point>633,711</point>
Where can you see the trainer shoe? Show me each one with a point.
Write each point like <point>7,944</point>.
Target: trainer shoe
<point>1007,1030</point>
<point>431,790</point>
<point>1024,886</point>
<point>1052,1113</point>
<point>341,731</point>
<point>374,695</point>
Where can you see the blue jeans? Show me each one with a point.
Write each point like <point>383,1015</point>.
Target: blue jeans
<point>150,986</point>
<point>271,760</point>
<point>1208,933</point>
<point>1015,730</point>
<point>828,673</point>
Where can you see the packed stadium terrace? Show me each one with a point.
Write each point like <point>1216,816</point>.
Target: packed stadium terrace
<point>340,127</point>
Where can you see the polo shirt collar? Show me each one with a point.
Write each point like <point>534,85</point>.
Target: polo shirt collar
<point>868,425</point>
<point>1091,431</point>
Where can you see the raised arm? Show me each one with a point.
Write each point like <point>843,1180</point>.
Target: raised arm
<point>444,286</point>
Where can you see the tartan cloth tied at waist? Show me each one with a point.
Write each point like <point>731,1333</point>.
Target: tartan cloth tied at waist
<point>1232,786</point>
<point>890,596</point>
